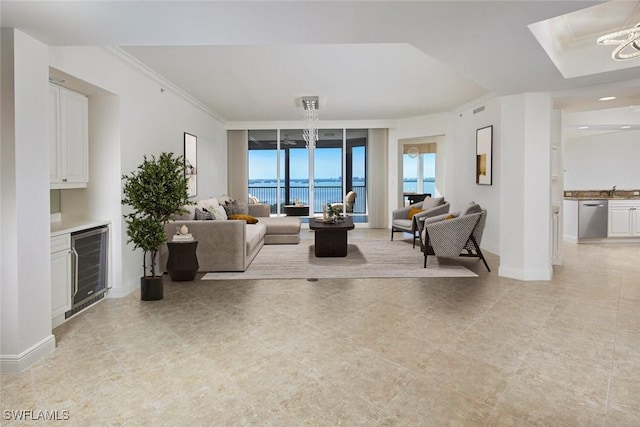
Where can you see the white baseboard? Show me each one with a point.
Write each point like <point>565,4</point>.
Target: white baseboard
<point>122,292</point>
<point>525,275</point>
<point>14,363</point>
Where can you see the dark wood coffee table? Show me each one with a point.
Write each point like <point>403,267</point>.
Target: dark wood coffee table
<point>331,238</point>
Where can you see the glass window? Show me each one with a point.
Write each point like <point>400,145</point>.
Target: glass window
<point>286,172</point>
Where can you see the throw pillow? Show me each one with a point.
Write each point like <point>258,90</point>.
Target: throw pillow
<point>414,211</point>
<point>471,208</point>
<point>250,219</point>
<point>219,213</point>
<point>232,207</point>
<point>203,215</point>
<point>432,202</point>
<point>450,216</point>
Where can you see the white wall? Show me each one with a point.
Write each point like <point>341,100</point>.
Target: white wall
<point>152,118</point>
<point>26,281</point>
<point>455,168</point>
<point>461,169</point>
<point>436,125</point>
<point>601,161</point>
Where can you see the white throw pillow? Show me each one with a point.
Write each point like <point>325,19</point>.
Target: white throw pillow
<point>219,213</point>
<point>206,203</point>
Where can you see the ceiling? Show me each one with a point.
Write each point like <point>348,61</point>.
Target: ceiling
<point>252,61</point>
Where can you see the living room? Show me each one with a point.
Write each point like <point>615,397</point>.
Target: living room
<point>134,111</point>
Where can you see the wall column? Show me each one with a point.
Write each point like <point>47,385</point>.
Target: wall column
<point>525,195</point>
<point>25,256</point>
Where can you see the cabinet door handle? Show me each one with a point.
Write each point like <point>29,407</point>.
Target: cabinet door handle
<point>64,179</point>
<point>75,276</point>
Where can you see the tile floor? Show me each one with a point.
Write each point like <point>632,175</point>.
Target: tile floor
<point>486,351</point>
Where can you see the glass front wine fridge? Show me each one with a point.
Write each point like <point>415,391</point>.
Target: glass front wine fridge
<point>89,262</point>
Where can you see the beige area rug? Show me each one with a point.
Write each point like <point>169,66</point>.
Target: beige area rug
<point>370,258</point>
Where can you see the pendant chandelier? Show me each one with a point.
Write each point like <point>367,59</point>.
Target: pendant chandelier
<point>628,42</point>
<point>310,106</point>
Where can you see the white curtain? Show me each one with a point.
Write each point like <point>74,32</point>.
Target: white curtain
<point>377,178</point>
<point>237,177</point>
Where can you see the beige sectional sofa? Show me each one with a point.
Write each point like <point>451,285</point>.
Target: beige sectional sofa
<point>231,245</point>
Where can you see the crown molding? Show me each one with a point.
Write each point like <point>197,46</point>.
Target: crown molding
<point>322,124</point>
<point>143,69</point>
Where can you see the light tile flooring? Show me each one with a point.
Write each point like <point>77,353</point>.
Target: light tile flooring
<point>486,351</point>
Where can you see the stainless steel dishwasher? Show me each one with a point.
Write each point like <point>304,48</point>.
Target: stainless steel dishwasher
<point>593,217</point>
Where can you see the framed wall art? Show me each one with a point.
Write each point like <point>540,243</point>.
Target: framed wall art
<point>191,163</point>
<point>484,155</point>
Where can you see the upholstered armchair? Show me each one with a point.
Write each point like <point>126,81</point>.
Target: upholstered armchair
<point>349,201</point>
<point>450,235</point>
<point>406,219</point>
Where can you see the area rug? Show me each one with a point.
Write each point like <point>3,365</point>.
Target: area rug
<point>366,258</point>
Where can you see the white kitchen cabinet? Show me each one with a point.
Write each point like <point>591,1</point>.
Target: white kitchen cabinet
<point>60,277</point>
<point>624,218</point>
<point>68,138</point>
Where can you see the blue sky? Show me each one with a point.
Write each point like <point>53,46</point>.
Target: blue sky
<point>328,163</point>
<point>410,166</point>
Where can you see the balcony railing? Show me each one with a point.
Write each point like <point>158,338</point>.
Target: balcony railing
<point>322,196</point>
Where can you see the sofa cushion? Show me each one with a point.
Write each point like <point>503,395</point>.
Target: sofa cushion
<point>281,225</point>
<point>254,234</point>
<point>432,202</point>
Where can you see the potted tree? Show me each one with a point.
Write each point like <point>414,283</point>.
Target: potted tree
<point>156,190</point>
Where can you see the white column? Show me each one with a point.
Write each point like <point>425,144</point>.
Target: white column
<point>525,199</point>
<point>25,334</point>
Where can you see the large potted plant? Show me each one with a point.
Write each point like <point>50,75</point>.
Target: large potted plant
<point>156,190</point>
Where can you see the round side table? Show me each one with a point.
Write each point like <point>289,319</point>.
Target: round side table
<point>182,264</point>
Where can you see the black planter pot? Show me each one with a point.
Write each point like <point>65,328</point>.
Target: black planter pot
<point>151,288</point>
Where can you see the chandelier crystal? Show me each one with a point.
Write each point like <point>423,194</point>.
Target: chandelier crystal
<point>310,106</point>
<point>628,42</point>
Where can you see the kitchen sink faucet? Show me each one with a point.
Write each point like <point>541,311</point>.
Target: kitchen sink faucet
<point>613,191</point>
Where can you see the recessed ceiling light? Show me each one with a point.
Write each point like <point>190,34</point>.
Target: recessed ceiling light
<point>607,98</point>
<point>583,127</point>
<point>625,127</point>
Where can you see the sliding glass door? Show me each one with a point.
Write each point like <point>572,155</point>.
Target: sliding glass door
<point>327,169</point>
<point>284,171</point>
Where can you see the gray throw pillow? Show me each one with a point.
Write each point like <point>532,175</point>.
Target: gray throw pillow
<point>203,215</point>
<point>432,202</point>
<point>471,208</point>
<point>232,207</point>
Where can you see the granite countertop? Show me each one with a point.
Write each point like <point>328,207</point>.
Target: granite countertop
<point>601,195</point>
<point>66,226</point>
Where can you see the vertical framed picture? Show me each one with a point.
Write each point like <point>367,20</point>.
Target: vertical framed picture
<point>191,163</point>
<point>484,155</point>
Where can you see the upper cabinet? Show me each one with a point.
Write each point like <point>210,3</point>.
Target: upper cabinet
<point>68,138</point>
